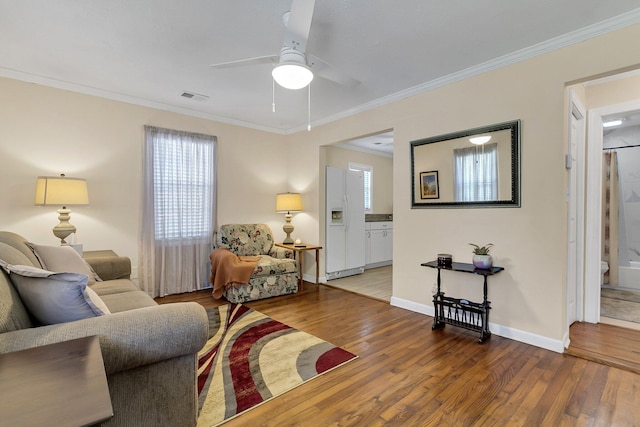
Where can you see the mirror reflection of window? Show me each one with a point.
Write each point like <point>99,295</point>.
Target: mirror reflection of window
<point>476,173</point>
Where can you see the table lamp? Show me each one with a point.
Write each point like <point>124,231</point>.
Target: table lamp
<point>288,202</point>
<point>62,191</point>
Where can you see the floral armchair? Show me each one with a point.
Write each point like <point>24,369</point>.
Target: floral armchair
<point>275,274</point>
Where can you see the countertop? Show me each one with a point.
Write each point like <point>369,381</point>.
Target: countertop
<point>378,217</point>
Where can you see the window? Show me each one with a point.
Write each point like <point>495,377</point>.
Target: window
<point>183,187</point>
<point>476,173</point>
<point>178,211</point>
<point>368,184</point>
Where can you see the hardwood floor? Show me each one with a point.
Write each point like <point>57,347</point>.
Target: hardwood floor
<point>409,375</point>
<point>607,344</point>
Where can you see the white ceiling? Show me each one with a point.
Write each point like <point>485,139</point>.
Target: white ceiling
<point>149,52</point>
<point>380,144</point>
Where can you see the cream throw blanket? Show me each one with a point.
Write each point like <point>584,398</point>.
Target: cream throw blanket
<point>228,269</point>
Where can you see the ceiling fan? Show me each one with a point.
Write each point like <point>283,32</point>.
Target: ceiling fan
<point>294,68</point>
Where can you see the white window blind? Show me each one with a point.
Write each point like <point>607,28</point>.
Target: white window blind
<point>368,184</point>
<point>183,187</point>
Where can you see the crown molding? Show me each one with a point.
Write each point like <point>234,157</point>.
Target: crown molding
<point>115,96</point>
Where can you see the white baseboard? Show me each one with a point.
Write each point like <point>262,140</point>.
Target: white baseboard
<point>311,278</point>
<point>500,330</point>
<point>378,264</point>
<point>343,273</point>
<point>565,340</point>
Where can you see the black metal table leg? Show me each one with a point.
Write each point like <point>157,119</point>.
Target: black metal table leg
<point>438,318</point>
<point>486,304</point>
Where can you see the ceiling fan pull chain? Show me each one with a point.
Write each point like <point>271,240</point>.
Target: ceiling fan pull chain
<point>309,107</point>
<point>273,95</point>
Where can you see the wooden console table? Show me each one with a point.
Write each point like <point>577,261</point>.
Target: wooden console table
<point>302,247</point>
<point>62,384</point>
<point>458,311</point>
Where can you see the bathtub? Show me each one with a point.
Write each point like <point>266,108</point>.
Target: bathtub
<point>629,277</point>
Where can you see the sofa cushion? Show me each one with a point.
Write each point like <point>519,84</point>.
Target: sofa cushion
<point>19,243</point>
<point>13,314</point>
<point>63,259</point>
<point>245,239</point>
<point>125,301</point>
<point>268,266</point>
<point>108,265</point>
<point>117,286</point>
<point>55,297</point>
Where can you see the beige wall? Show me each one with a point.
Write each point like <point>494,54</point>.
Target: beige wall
<point>382,174</point>
<point>529,298</point>
<point>46,131</point>
<point>618,91</point>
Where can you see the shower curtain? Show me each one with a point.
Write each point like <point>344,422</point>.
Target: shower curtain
<point>610,221</point>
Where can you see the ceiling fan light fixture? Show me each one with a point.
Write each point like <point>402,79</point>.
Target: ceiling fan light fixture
<point>292,76</point>
<point>292,71</point>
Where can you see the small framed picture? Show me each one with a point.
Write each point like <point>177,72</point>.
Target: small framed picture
<point>429,188</point>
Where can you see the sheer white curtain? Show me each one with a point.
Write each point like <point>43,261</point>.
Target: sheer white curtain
<point>476,173</point>
<point>178,212</point>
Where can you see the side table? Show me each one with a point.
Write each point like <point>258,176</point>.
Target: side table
<point>458,311</point>
<point>302,247</point>
<point>61,384</point>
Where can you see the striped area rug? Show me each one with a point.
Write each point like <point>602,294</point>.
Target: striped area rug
<point>251,358</point>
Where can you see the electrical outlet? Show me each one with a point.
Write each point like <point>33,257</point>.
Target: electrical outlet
<point>434,289</point>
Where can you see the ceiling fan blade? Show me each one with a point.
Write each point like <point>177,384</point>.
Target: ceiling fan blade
<point>299,24</point>
<point>250,61</point>
<point>329,72</point>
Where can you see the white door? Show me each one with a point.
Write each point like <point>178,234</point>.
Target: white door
<point>335,237</point>
<point>355,237</point>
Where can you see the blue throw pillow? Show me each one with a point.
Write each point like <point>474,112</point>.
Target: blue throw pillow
<point>55,297</point>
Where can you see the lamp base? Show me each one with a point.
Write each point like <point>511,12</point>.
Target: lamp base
<point>64,228</point>
<point>288,240</point>
<point>288,228</point>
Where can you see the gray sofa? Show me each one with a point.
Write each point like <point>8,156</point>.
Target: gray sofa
<point>149,350</point>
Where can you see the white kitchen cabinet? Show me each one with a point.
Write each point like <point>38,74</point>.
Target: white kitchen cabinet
<point>379,249</point>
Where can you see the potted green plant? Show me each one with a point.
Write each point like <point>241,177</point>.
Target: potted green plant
<point>481,257</point>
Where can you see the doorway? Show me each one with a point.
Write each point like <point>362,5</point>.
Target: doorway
<point>620,292</point>
<point>373,154</point>
<point>593,242</point>
<point>603,101</point>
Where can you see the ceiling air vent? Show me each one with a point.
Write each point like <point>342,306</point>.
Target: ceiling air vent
<point>195,96</point>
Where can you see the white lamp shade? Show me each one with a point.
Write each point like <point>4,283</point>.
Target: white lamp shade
<point>288,202</point>
<point>61,191</point>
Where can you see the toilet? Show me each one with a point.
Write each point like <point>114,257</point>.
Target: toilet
<point>604,267</point>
